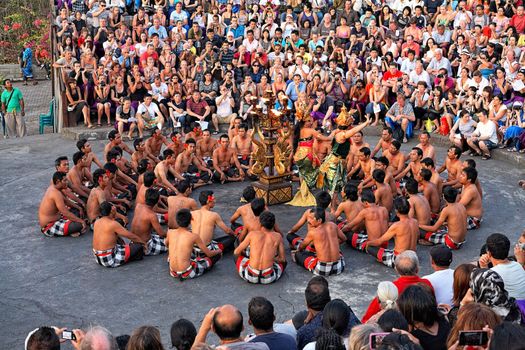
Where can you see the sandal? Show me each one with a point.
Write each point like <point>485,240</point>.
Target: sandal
<point>109,124</point>
<point>486,157</point>
<point>91,126</point>
<point>99,125</point>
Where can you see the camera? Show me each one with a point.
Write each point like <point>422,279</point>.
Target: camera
<point>68,335</point>
<point>375,339</point>
<point>441,76</point>
<point>473,338</point>
<point>103,84</point>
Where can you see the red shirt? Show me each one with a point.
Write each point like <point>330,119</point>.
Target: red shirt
<point>401,283</point>
<point>197,107</point>
<point>144,57</point>
<point>388,75</point>
<point>518,22</point>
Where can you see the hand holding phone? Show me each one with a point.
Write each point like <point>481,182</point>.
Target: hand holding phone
<point>375,339</point>
<point>68,335</point>
<point>474,338</point>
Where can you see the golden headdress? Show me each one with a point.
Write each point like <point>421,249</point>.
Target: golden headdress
<point>303,115</point>
<point>344,118</point>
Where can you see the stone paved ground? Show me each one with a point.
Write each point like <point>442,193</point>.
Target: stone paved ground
<point>37,99</point>
<point>56,281</point>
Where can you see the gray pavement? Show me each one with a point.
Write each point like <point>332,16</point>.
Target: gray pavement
<point>55,281</point>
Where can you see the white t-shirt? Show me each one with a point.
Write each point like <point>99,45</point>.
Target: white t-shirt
<point>159,91</point>
<point>487,131</point>
<point>442,281</point>
<point>150,112</point>
<point>513,276</point>
<point>224,109</point>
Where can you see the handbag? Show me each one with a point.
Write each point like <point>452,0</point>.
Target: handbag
<point>429,125</point>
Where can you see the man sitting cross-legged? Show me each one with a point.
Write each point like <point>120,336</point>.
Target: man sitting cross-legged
<point>204,221</point>
<point>109,248</point>
<point>189,167</point>
<point>267,261</point>
<point>149,180</point>
<point>145,221</point>
<point>405,233</point>
<point>54,216</point>
<point>351,206</point>
<point>184,263</point>
<point>180,201</point>
<point>225,163</point>
<point>244,211</point>
<point>452,234</point>
<point>375,220</point>
<point>326,238</point>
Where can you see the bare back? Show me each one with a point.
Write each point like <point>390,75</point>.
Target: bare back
<point>176,203</point>
<point>48,211</point>
<point>326,242</point>
<point>264,248</point>
<point>406,233</point>
<point>203,224</point>
<point>376,221</point>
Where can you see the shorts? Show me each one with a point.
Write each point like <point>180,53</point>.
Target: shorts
<point>230,172</point>
<point>156,245</point>
<point>321,268</point>
<point>57,228</point>
<point>473,223</point>
<point>440,237</point>
<point>490,144</point>
<point>296,240</point>
<point>114,257</point>
<point>197,268</point>
<point>213,245</point>
<point>163,218</point>
<point>244,160</point>
<point>255,276</point>
<point>385,256</point>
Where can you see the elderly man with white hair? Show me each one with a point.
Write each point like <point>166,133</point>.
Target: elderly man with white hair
<point>407,266</point>
<point>438,62</point>
<point>95,338</point>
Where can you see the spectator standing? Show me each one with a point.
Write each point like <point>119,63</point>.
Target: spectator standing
<point>13,108</point>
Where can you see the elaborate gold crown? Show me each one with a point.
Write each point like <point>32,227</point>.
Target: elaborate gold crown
<point>344,118</point>
<point>302,115</point>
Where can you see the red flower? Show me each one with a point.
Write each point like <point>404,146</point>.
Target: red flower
<point>23,36</point>
<point>16,26</point>
<point>6,28</point>
<point>37,22</point>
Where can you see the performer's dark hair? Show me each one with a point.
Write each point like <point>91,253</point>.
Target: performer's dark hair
<point>59,160</point>
<point>428,162</point>
<point>396,144</point>
<point>105,208</point>
<point>77,156</point>
<point>112,168</point>
<point>471,173</point>
<point>267,220</point>
<point>379,175</point>
<point>351,192</point>
<point>113,154</point>
<point>425,174</point>
<point>365,150</point>
<point>81,143</point>
<point>450,194</point>
<point>97,174</point>
<point>112,134</point>
<point>137,142</point>
<point>418,150</point>
<point>456,149</point>
<point>319,214</point>
<point>167,153</point>
<point>191,140</point>
<point>402,206</point>
<point>248,193</point>
<point>383,160</point>
<point>471,163</point>
<point>143,166</point>
<point>203,196</point>
<point>368,196</point>
<point>411,186</point>
<point>152,197</point>
<point>323,199</point>
<point>183,218</point>
<point>258,206</point>
<point>183,186</point>
<point>149,178</point>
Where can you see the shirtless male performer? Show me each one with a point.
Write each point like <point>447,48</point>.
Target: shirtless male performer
<point>357,144</point>
<point>145,221</point>
<point>383,193</point>
<point>177,144</point>
<point>71,200</point>
<point>163,168</point>
<point>471,163</point>
<point>419,206</point>
<point>405,233</point>
<point>351,206</point>
<point>384,142</point>
<point>54,217</point>
<point>234,128</point>
<point>84,146</point>
<point>242,145</point>
<point>325,237</point>
<point>413,167</point>
<point>267,260</point>
<point>183,261</point>
<point>180,201</point>
<point>75,175</point>
<point>109,248</point>
<point>244,211</point>
<point>195,132</point>
<point>430,191</point>
<point>154,144</point>
<point>396,157</point>
<point>140,153</point>
<point>365,165</point>
<point>205,147</point>
<point>451,227</point>
<point>204,221</point>
<point>471,198</point>
<point>427,163</point>
<point>159,209</point>
<point>369,224</point>
<point>425,145</point>
<point>225,162</point>
<point>382,163</point>
<point>115,139</point>
<point>452,165</point>
<point>189,167</point>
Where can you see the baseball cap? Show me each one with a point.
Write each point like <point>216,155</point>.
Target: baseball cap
<point>441,255</point>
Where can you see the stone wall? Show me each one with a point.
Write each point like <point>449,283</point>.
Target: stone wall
<point>12,71</point>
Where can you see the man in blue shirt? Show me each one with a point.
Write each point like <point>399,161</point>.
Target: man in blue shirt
<point>295,87</point>
<point>156,28</point>
<point>261,313</point>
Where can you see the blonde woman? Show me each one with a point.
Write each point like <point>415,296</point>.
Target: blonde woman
<point>360,336</point>
<point>387,294</point>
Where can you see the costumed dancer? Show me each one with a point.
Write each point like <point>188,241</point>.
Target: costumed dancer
<point>332,172</point>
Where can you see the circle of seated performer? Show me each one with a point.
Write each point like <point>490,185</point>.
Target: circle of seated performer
<point>109,248</point>
<point>189,167</point>
<point>184,263</point>
<point>326,258</point>
<point>451,227</point>
<point>54,216</point>
<point>405,233</point>
<point>266,261</point>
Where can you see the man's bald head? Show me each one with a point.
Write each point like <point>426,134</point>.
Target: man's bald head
<point>407,263</point>
<point>228,322</point>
